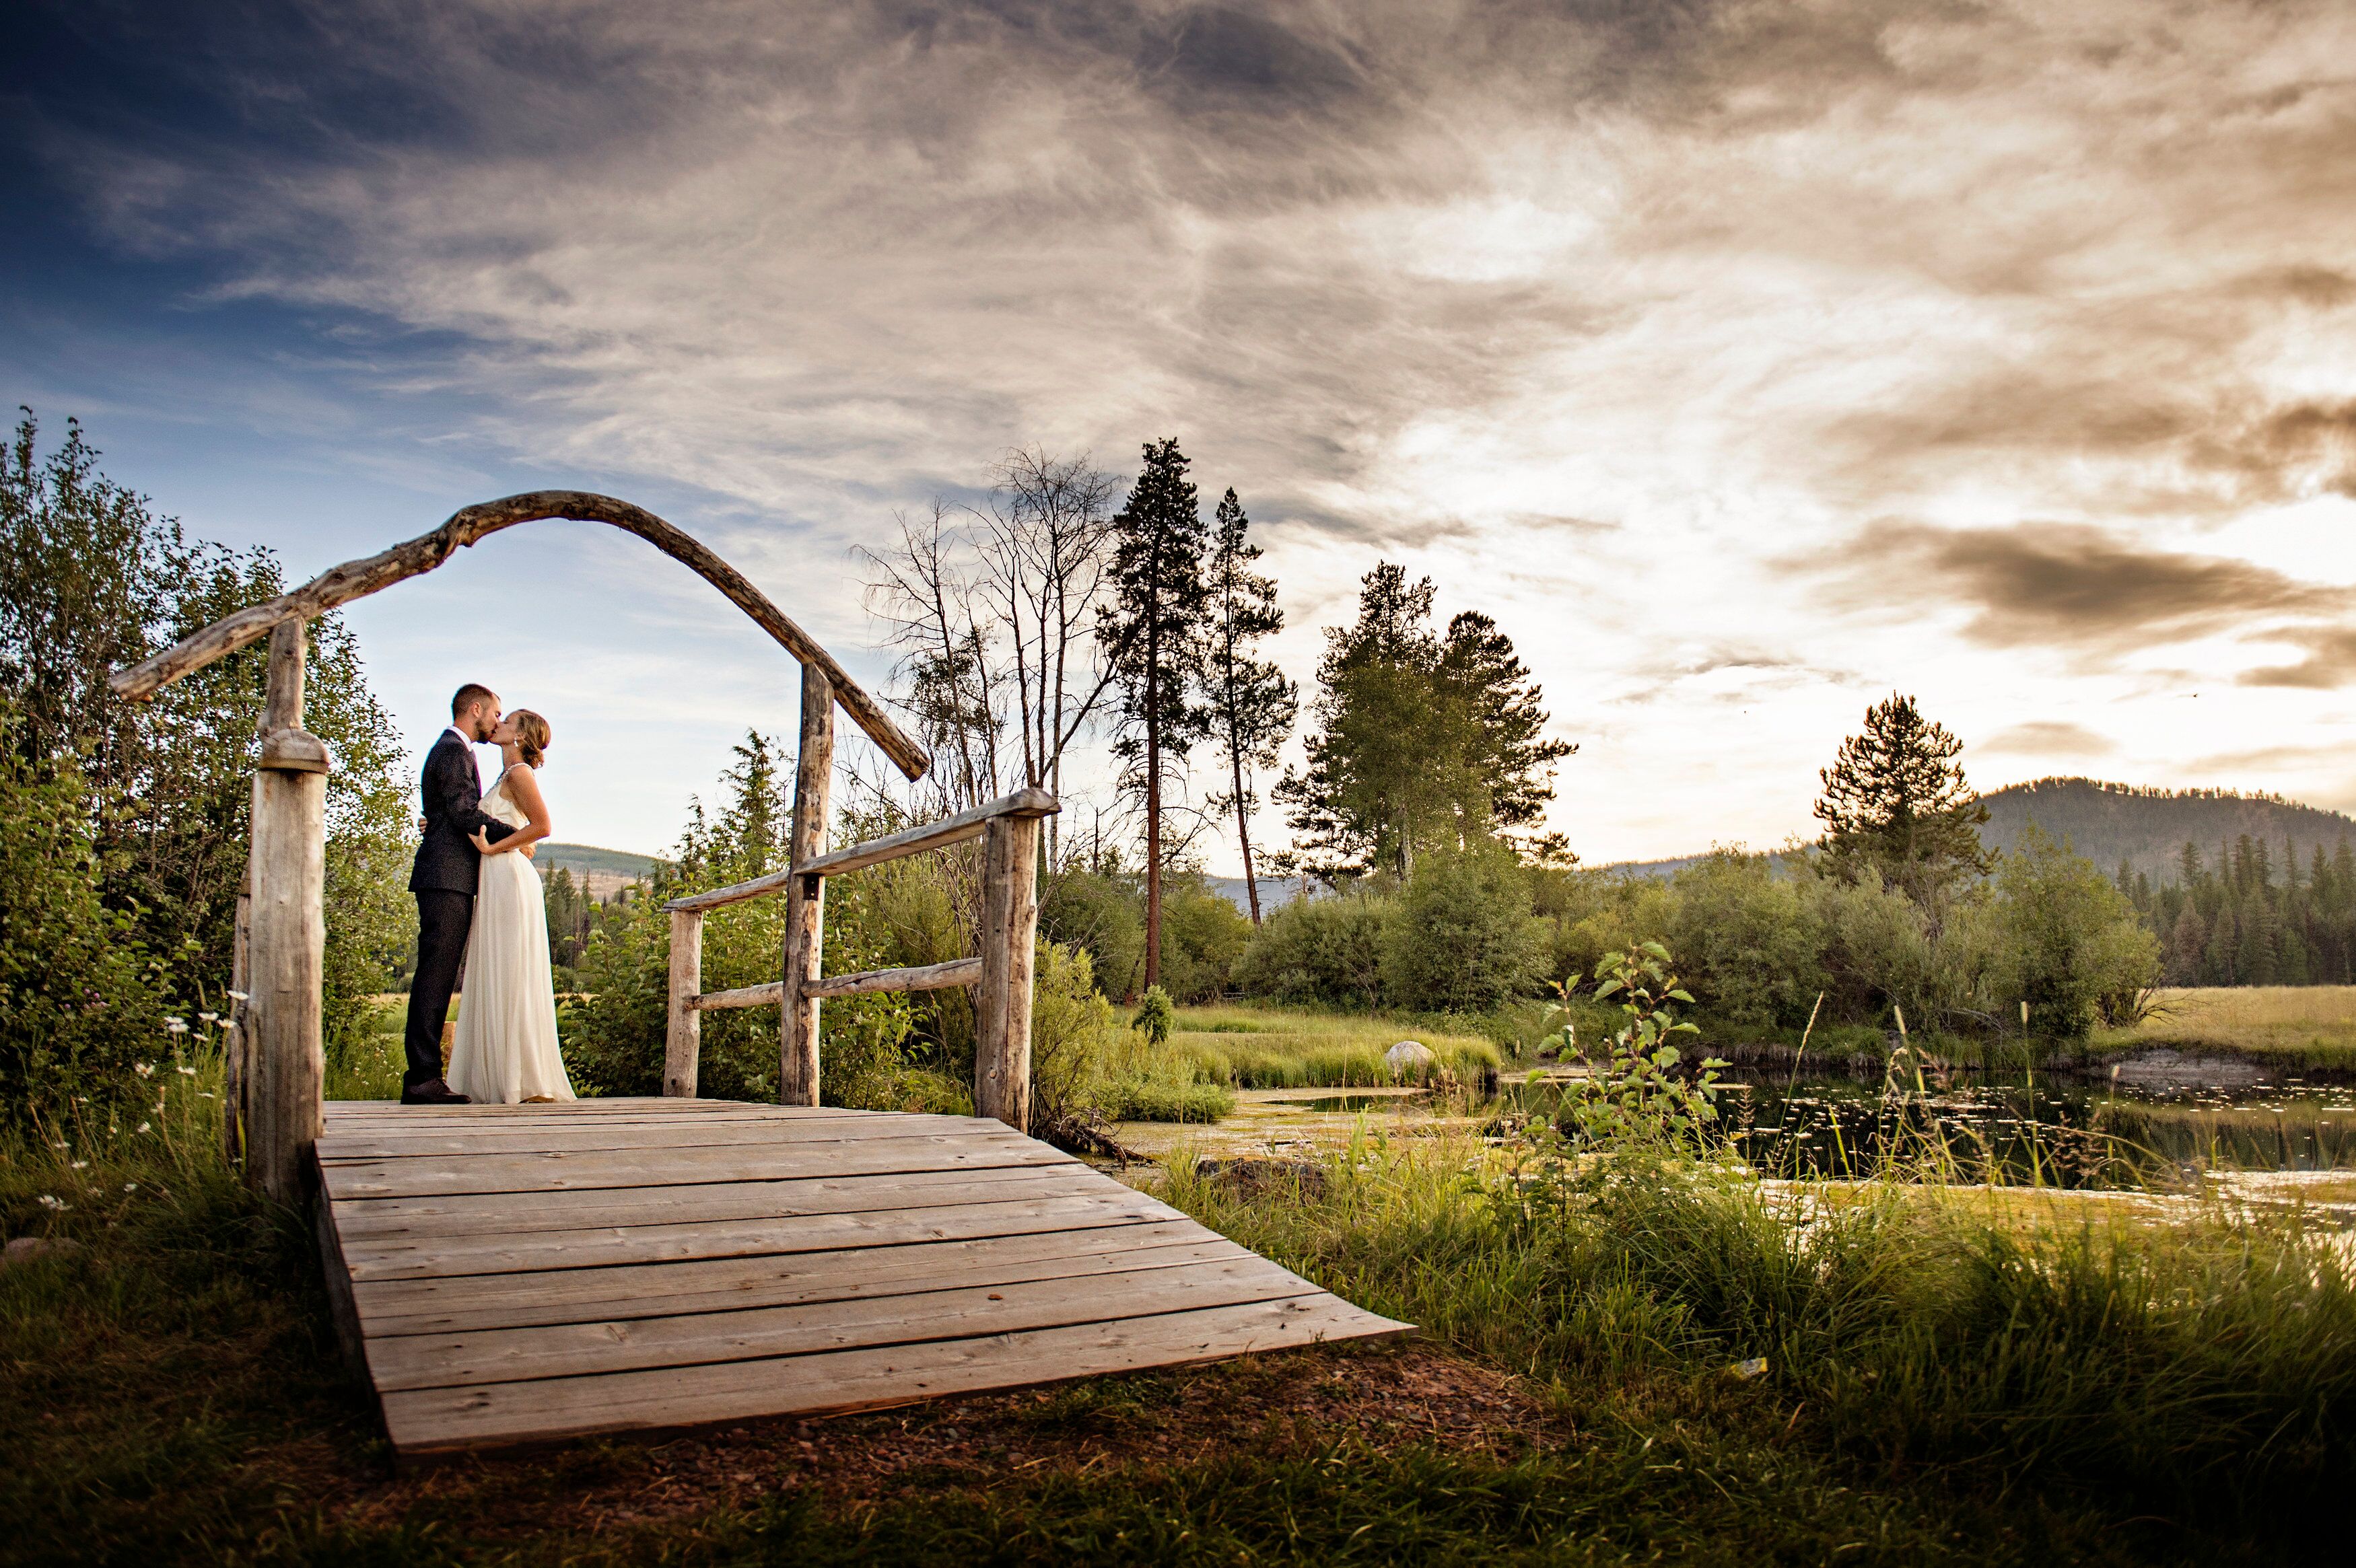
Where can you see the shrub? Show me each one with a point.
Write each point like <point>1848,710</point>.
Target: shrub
<point>2071,941</point>
<point>1072,1031</point>
<point>1322,950</point>
<point>1463,939</point>
<point>80,1001</point>
<point>1746,939</point>
<point>1203,934</point>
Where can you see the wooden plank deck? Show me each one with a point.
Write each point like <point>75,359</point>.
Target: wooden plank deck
<point>526,1274</point>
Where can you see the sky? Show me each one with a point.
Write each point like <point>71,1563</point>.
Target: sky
<point>1745,362</point>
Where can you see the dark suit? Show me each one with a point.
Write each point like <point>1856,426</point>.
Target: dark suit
<point>448,869</point>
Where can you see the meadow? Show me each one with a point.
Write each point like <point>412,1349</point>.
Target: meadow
<point>1681,1364</point>
<point>2288,1026</point>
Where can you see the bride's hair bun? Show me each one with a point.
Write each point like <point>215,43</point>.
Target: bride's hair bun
<point>531,735</point>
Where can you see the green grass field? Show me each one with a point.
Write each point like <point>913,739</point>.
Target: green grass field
<point>2297,1026</point>
<point>1940,1385</point>
<point>1285,1048</point>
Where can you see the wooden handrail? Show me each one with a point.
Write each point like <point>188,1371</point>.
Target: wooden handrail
<point>948,830</point>
<point>358,578</point>
<point>925,978</point>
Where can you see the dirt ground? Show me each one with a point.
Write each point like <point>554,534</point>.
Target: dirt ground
<point>1383,1396</point>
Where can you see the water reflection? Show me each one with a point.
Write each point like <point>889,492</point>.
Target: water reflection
<point>2022,1128</point>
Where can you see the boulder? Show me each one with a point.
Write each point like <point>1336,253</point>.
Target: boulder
<point>1410,1057</point>
<point>24,1249</point>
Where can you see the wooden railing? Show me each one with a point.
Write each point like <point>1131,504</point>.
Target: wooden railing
<point>1008,829</point>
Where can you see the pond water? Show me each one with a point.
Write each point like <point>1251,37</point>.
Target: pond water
<point>2135,1128</point>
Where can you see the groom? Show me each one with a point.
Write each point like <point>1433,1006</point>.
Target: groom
<point>447,871</point>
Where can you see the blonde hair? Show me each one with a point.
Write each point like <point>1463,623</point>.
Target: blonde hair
<point>531,735</point>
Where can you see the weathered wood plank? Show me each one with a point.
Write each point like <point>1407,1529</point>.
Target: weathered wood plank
<point>766,995</point>
<point>407,1257</point>
<point>1009,922</point>
<point>425,1421</point>
<point>348,1146</point>
<point>283,1064</point>
<point>671,1168</point>
<point>803,951</point>
<point>358,578</point>
<point>396,1307</point>
<point>483,1214</point>
<point>922,978</point>
<point>682,1029</point>
<point>620,1345</point>
<point>938,834</point>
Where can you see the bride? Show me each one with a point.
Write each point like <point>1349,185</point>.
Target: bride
<point>505,1051</point>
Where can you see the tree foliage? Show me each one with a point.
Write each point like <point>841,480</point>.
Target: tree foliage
<point>1422,741</point>
<point>91,578</point>
<point>1896,805</point>
<point>1251,703</point>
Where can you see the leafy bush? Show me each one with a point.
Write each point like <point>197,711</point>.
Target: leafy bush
<point>2073,947</point>
<point>80,1002</point>
<point>1321,951</point>
<point>1747,940</point>
<point>1463,938</point>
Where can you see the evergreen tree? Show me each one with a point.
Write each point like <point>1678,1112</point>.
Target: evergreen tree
<point>1252,703</point>
<point>1151,632</point>
<point>1422,743</point>
<point>1896,804</point>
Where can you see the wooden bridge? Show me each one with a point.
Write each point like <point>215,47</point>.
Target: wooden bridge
<point>507,1274</point>
<point>517,1275</point>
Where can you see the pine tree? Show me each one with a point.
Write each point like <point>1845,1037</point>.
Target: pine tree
<point>1421,742</point>
<point>1896,804</point>
<point>1151,632</point>
<point>1252,703</point>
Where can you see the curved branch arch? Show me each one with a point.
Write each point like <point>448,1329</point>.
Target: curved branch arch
<point>358,578</point>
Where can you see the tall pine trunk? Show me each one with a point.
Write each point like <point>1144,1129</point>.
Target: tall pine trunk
<point>1243,826</point>
<point>1153,800</point>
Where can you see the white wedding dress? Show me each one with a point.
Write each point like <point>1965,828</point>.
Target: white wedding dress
<point>505,1049</point>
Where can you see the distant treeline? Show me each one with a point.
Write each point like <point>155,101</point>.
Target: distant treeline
<point>2245,919</point>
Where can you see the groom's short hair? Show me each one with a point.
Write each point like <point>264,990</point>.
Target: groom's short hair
<point>468,695</point>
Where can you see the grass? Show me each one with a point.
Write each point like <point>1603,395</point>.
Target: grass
<point>1952,1377</point>
<point>1283,1048</point>
<point>2290,1026</point>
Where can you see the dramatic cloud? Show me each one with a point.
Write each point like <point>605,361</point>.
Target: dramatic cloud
<point>2047,738</point>
<point>2071,586</point>
<point>1598,312</point>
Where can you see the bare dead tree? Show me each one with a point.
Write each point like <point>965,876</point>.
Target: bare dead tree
<point>1046,547</point>
<point>925,588</point>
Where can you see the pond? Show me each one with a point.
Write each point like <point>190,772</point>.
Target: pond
<point>2147,1124</point>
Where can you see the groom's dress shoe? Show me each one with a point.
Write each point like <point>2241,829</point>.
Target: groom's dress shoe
<point>434,1093</point>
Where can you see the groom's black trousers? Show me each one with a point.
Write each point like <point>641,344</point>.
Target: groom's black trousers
<point>443,919</point>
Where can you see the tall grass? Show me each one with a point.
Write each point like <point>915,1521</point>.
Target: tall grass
<point>1277,1047</point>
<point>2208,1365</point>
<point>2295,1026</point>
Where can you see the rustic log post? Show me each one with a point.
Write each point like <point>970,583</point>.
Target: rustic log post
<point>241,982</point>
<point>683,1043</point>
<point>283,1064</point>
<point>797,1066</point>
<point>1010,926</point>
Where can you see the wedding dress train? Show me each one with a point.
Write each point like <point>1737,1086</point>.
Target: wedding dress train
<point>504,1050</point>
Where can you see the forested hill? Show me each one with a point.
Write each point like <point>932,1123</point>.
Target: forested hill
<point>2148,828</point>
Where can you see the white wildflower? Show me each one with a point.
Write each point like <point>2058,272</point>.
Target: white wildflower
<point>144,1069</point>
<point>239,997</point>
<point>209,1017</point>
<point>56,1204</point>
<point>145,1126</point>
<point>187,1072</point>
<point>175,1024</point>
<point>81,1164</point>
<point>130,1187</point>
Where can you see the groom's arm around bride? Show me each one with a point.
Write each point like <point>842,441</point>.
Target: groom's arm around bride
<point>446,873</point>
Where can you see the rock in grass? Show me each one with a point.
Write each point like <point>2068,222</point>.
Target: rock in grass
<point>24,1249</point>
<point>1409,1056</point>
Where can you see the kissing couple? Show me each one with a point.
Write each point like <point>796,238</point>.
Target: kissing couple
<point>479,900</point>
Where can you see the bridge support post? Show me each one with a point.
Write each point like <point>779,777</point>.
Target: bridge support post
<point>797,1066</point>
<point>283,1064</point>
<point>683,1041</point>
<point>1010,926</point>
